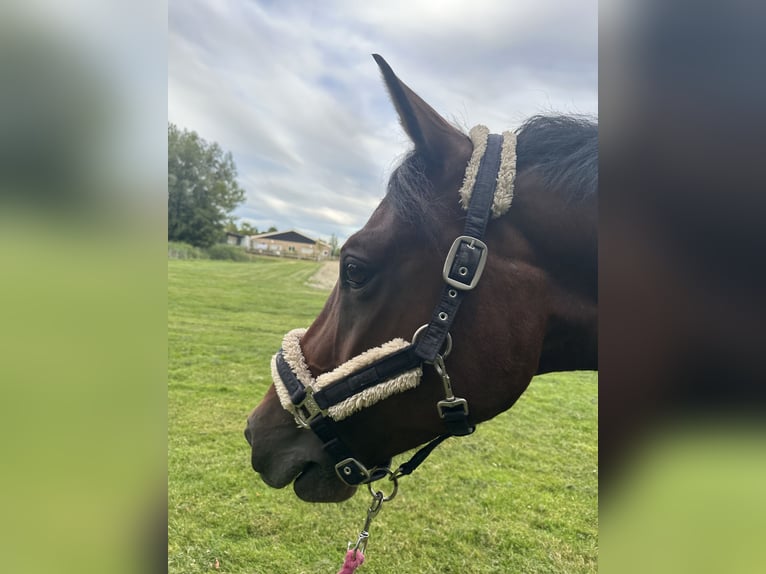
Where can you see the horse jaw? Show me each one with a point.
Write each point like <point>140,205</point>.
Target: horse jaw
<point>282,453</point>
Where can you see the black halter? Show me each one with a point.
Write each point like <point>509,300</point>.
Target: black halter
<point>462,270</point>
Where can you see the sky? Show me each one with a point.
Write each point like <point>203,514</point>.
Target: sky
<point>291,90</point>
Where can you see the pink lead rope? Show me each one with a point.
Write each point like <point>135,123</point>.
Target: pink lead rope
<point>355,555</point>
<point>354,559</point>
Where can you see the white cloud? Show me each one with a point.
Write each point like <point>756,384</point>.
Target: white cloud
<point>291,90</point>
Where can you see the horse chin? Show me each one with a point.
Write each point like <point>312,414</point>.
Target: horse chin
<point>278,479</point>
<point>320,484</point>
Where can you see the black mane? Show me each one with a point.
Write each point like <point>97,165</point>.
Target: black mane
<point>562,149</point>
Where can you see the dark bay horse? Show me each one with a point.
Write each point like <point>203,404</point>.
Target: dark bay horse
<point>533,311</point>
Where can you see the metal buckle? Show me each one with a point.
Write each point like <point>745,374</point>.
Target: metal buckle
<point>451,404</point>
<point>345,469</point>
<point>472,243</point>
<point>308,409</point>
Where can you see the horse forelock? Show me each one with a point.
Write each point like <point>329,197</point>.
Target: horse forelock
<point>411,196</point>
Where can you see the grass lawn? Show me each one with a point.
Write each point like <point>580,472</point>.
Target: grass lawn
<point>519,495</point>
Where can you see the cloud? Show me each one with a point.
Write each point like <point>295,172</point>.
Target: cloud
<point>290,88</point>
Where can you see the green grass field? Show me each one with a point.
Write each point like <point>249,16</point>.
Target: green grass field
<point>519,495</point>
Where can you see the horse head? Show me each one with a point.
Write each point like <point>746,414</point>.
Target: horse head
<point>533,310</point>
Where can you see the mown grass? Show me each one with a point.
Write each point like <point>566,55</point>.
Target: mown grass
<point>520,495</point>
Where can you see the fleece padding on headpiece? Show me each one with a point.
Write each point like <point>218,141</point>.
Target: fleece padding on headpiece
<point>293,355</point>
<point>505,175</point>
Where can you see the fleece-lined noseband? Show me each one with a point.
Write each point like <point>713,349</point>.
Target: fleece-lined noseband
<point>397,366</point>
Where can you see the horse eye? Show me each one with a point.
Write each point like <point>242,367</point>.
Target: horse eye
<point>355,274</point>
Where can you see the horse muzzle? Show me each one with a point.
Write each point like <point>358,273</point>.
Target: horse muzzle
<point>282,454</point>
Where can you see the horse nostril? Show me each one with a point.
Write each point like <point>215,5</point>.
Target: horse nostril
<point>247,436</point>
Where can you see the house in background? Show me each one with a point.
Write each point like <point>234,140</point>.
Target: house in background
<point>237,239</point>
<point>290,244</point>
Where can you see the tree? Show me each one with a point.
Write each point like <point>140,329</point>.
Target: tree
<point>202,188</point>
<point>246,229</point>
<point>271,229</point>
<point>334,250</point>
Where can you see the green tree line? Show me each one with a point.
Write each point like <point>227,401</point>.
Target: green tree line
<point>245,228</point>
<point>202,188</point>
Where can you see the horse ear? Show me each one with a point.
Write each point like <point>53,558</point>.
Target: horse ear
<point>432,135</point>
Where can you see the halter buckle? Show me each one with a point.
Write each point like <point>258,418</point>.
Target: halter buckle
<point>352,472</point>
<point>447,406</point>
<point>453,277</point>
<point>452,410</point>
<point>307,410</point>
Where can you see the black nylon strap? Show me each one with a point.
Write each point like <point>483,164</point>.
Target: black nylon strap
<point>456,421</point>
<point>324,428</point>
<point>484,188</point>
<point>422,454</point>
<point>353,473</point>
<point>399,362</point>
<point>338,451</point>
<point>294,387</point>
<point>430,343</point>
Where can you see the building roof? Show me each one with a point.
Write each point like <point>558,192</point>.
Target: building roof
<point>291,236</point>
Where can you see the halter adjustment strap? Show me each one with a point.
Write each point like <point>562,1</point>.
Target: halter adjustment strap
<point>468,251</point>
<point>348,468</point>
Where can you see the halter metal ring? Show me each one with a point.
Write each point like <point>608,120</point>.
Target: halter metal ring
<point>378,494</point>
<point>447,344</point>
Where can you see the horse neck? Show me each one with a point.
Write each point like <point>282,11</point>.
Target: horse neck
<point>561,240</point>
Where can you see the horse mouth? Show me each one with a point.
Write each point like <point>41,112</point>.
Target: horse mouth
<point>312,483</point>
<point>317,483</point>
<point>282,454</point>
